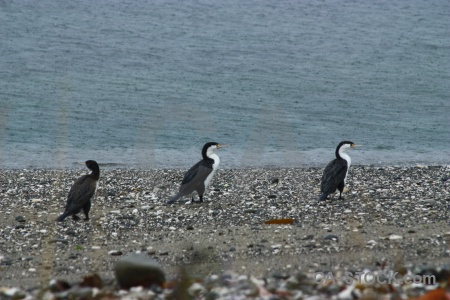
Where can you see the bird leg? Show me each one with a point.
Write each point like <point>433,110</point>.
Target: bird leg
<point>86,209</point>
<point>200,199</point>
<point>75,217</point>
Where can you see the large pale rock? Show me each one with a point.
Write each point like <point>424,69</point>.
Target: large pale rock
<point>138,270</point>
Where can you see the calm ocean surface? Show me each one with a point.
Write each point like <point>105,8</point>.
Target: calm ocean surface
<point>144,84</point>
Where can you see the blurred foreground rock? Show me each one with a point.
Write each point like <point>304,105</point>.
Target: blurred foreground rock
<point>138,270</point>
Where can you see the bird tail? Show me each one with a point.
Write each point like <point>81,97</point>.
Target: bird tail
<point>62,217</point>
<point>174,198</point>
<point>323,197</point>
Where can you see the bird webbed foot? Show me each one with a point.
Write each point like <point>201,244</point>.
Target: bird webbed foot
<point>200,199</point>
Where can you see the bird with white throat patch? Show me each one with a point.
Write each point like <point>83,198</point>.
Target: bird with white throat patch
<point>335,174</point>
<point>199,176</point>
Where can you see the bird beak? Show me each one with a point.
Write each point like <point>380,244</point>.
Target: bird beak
<point>353,146</point>
<point>222,146</point>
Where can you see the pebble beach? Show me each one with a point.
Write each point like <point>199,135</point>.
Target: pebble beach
<point>391,218</point>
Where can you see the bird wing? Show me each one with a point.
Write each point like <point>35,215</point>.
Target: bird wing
<point>191,173</point>
<point>333,175</point>
<point>80,193</point>
<point>194,177</point>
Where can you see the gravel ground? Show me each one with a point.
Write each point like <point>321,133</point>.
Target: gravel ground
<point>391,216</point>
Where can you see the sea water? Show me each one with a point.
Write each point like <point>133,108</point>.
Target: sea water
<point>144,84</point>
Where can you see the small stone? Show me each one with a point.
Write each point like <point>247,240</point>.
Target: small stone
<point>5,261</point>
<point>58,286</point>
<point>115,253</point>
<point>10,292</point>
<point>308,237</point>
<point>421,252</point>
<point>212,295</point>
<point>59,240</point>
<point>371,243</point>
<point>196,289</point>
<point>272,196</point>
<point>283,276</point>
<point>331,237</point>
<point>80,293</point>
<point>93,281</point>
<point>138,270</point>
<point>394,237</point>
<point>20,219</point>
<point>71,232</point>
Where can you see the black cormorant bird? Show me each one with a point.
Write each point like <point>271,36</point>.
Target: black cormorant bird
<point>335,173</point>
<point>81,193</point>
<point>199,175</point>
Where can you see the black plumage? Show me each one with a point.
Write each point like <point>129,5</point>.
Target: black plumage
<point>81,193</point>
<point>335,173</point>
<point>199,175</point>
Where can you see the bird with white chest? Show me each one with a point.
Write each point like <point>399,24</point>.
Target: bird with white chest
<point>335,174</point>
<point>199,176</point>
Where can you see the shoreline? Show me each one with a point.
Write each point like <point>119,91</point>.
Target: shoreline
<point>147,159</point>
<point>395,214</point>
<point>118,167</point>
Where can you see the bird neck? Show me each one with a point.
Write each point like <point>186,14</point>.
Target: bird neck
<point>95,173</point>
<point>343,155</point>
<point>215,158</point>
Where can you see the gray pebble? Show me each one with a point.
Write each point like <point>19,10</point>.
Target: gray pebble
<point>138,270</point>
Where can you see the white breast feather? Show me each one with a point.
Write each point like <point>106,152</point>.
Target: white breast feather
<point>215,165</point>
<point>349,162</point>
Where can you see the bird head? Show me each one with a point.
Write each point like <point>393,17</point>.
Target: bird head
<point>210,148</point>
<point>344,146</point>
<point>91,164</point>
